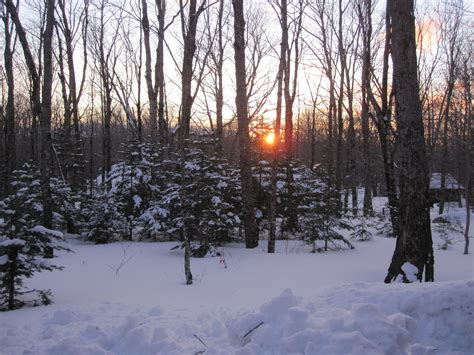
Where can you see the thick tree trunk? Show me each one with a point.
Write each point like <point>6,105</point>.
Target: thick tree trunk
<point>414,244</point>
<point>241,100</point>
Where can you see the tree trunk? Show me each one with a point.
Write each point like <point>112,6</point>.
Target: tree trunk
<point>41,102</point>
<point>106,97</point>
<point>160,74</point>
<point>444,157</point>
<point>468,209</point>
<point>365,17</point>
<point>12,273</point>
<point>152,94</point>
<point>241,100</point>
<point>467,80</point>
<point>276,143</point>
<point>47,157</point>
<point>382,121</point>
<point>189,39</point>
<point>9,148</point>
<point>389,173</point>
<point>340,100</point>
<point>3,175</point>
<point>414,244</point>
<point>72,104</point>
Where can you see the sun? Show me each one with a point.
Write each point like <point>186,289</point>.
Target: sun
<point>270,138</point>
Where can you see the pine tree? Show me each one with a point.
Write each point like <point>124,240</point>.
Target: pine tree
<point>318,210</point>
<point>23,241</point>
<point>101,221</point>
<point>212,205</point>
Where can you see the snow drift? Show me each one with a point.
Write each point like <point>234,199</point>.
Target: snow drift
<point>361,318</point>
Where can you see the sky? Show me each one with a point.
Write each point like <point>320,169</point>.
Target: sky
<point>310,75</point>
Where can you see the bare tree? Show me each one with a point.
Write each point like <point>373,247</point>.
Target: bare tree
<point>156,83</point>
<point>382,119</point>
<point>283,15</point>
<point>414,243</point>
<point>364,10</point>
<point>104,40</point>
<point>466,79</point>
<point>188,30</point>
<point>241,101</point>
<point>72,20</point>
<point>450,29</point>
<point>8,120</point>
<point>322,17</point>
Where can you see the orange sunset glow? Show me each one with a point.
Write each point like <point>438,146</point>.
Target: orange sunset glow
<point>270,138</point>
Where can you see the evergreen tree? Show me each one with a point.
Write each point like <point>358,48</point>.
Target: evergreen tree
<point>320,223</point>
<point>101,221</point>
<point>212,205</point>
<point>23,241</point>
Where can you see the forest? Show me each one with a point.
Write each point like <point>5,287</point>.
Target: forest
<point>214,130</point>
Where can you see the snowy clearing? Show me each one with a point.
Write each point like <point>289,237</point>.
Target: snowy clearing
<point>130,298</point>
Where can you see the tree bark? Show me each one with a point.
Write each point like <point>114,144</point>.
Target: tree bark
<point>107,87</point>
<point>340,101</point>
<point>276,144</point>
<point>220,84</point>
<point>414,244</point>
<point>47,157</point>
<point>382,121</point>
<point>9,130</point>
<point>469,144</point>
<point>160,73</point>
<point>152,94</point>
<point>187,71</point>
<point>365,18</point>
<point>41,102</point>
<point>241,100</point>
<point>73,97</point>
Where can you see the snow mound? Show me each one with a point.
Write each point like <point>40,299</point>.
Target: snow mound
<point>360,318</point>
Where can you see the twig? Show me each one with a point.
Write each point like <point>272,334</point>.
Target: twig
<point>198,338</point>
<point>251,330</point>
<point>123,262</point>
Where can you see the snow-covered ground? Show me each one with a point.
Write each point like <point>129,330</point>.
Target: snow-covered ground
<point>130,298</point>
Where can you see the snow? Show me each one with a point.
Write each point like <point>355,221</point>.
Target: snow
<point>451,182</point>
<point>216,200</point>
<point>411,272</point>
<point>330,303</point>
<point>137,201</point>
<point>12,242</point>
<point>44,230</point>
<point>3,259</point>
